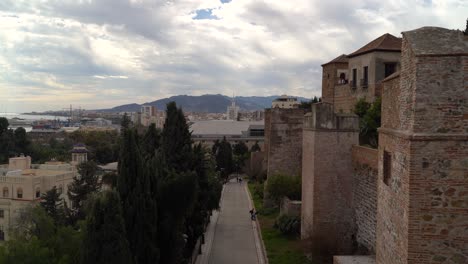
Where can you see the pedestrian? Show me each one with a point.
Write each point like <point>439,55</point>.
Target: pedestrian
<point>252,214</point>
<point>240,180</point>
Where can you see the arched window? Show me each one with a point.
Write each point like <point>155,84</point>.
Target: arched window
<point>5,192</point>
<point>38,192</point>
<point>19,193</point>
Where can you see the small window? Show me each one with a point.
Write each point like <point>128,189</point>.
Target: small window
<point>365,76</point>
<point>387,167</point>
<point>353,83</point>
<point>5,192</point>
<point>19,193</point>
<point>38,192</point>
<point>390,68</point>
<point>2,213</point>
<point>2,234</point>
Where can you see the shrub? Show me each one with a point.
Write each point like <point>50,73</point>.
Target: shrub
<point>279,186</point>
<point>369,121</point>
<point>258,190</point>
<point>288,225</point>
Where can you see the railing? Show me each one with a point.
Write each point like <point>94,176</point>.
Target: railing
<point>340,81</point>
<point>364,83</point>
<point>353,84</point>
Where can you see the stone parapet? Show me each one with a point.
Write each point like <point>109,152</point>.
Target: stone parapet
<point>323,117</point>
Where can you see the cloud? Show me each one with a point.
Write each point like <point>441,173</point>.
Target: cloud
<point>108,52</point>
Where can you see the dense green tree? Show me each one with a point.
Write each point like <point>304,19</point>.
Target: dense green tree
<point>279,186</point>
<point>176,139</point>
<point>209,193</point>
<point>177,196</point>
<point>241,154</point>
<point>255,147</point>
<point>224,160</point>
<point>361,107</point>
<point>53,205</point>
<point>215,147</point>
<point>369,121</point>
<point>466,29</point>
<point>125,122</point>
<point>3,125</point>
<point>7,145</point>
<point>36,239</point>
<point>22,143</point>
<point>136,185</point>
<point>104,238</point>
<point>151,141</point>
<point>308,104</point>
<point>83,185</point>
<point>103,146</point>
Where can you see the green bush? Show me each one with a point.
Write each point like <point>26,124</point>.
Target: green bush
<point>288,225</point>
<point>369,120</point>
<point>279,186</point>
<point>258,190</point>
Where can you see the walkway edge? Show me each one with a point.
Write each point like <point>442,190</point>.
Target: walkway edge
<point>206,254</point>
<point>216,224</point>
<point>261,251</point>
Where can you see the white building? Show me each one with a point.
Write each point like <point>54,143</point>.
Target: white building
<point>22,187</point>
<point>22,184</point>
<point>285,101</point>
<point>232,111</point>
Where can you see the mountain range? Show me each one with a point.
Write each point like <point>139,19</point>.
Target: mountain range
<point>209,103</point>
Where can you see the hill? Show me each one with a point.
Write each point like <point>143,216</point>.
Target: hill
<point>210,103</point>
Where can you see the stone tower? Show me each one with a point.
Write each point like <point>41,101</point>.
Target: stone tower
<point>334,73</point>
<point>79,154</point>
<point>327,220</point>
<point>422,214</point>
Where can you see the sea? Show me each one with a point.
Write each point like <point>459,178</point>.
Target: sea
<point>30,118</point>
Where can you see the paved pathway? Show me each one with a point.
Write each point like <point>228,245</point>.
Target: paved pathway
<point>235,240</point>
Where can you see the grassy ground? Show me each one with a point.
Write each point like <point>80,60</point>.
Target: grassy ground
<point>280,248</point>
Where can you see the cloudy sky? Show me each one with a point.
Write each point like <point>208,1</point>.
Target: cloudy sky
<point>103,53</point>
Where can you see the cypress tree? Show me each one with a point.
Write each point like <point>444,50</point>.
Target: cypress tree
<point>151,141</point>
<point>125,122</point>
<point>53,205</point>
<point>176,139</point>
<point>136,185</point>
<point>84,184</point>
<point>104,238</point>
<point>177,195</point>
<point>224,162</point>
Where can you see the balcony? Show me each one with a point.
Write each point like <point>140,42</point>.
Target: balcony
<point>353,84</point>
<point>364,83</point>
<point>340,81</point>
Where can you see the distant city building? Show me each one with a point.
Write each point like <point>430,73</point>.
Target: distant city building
<point>232,111</point>
<point>150,115</point>
<point>285,101</point>
<point>207,132</point>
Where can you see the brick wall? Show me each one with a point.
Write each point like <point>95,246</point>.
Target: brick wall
<point>422,194</point>
<point>327,182</point>
<point>329,80</point>
<point>283,141</point>
<point>365,162</point>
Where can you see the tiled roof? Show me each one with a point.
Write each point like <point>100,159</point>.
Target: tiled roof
<point>340,59</point>
<point>386,42</point>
